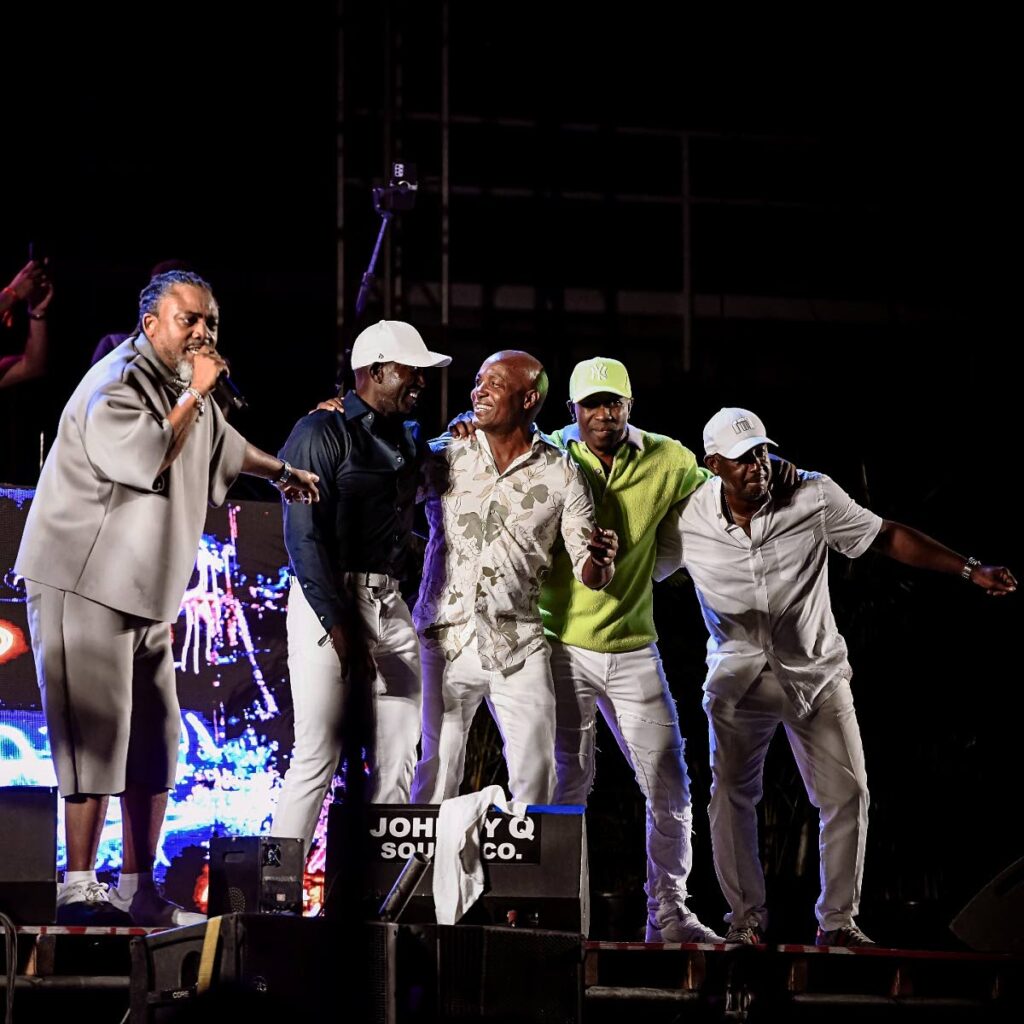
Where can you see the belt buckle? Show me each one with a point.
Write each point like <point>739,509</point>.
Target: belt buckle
<point>372,580</point>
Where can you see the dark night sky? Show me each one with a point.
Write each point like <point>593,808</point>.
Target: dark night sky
<point>214,140</point>
<point>196,146</point>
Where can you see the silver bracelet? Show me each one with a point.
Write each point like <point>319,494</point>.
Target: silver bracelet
<point>968,568</point>
<point>197,395</point>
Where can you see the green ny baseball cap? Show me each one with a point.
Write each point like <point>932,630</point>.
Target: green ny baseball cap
<point>599,375</point>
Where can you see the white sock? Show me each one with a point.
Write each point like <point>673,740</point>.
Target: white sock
<point>129,884</point>
<point>70,877</point>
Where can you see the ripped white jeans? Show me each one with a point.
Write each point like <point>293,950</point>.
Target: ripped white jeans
<point>632,693</point>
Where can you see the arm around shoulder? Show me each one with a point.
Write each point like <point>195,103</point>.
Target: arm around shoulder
<point>669,549</point>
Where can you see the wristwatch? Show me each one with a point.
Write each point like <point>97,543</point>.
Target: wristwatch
<point>287,474</point>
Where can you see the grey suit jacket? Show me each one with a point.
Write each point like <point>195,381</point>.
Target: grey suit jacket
<point>104,523</point>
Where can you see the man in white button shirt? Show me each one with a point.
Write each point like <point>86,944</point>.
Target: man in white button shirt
<point>775,657</point>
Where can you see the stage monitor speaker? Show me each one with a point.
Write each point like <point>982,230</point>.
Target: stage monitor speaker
<point>255,875</point>
<point>262,968</point>
<point>235,967</point>
<point>535,867</point>
<point>991,921</point>
<point>28,862</point>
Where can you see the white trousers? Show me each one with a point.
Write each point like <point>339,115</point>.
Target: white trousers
<point>522,703</point>
<point>830,757</point>
<point>318,697</point>
<point>633,695</point>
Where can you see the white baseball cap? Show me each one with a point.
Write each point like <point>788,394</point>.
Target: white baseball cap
<point>731,432</point>
<point>393,341</point>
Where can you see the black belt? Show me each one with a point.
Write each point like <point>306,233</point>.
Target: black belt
<point>371,580</point>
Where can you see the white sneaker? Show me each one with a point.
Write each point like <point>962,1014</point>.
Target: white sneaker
<point>681,926</point>
<point>148,908</point>
<point>89,904</point>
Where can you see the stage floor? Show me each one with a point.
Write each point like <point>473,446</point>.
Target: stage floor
<point>88,971</point>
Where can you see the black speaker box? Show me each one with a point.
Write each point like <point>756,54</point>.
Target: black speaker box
<point>263,968</point>
<point>535,869</point>
<point>511,975</point>
<point>444,974</point>
<point>991,921</point>
<point>255,875</point>
<point>257,965</point>
<point>28,863</point>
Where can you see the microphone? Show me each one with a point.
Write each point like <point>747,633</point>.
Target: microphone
<point>225,389</point>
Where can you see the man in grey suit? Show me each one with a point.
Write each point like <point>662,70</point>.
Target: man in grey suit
<point>107,551</point>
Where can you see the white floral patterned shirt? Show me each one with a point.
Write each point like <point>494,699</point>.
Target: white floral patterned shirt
<point>492,536</point>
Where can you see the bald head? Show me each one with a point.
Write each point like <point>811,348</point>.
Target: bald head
<point>509,391</point>
<point>530,369</point>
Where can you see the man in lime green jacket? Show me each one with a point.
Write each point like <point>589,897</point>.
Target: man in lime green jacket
<point>604,654</point>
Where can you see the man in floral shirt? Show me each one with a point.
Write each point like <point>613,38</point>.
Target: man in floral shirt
<point>497,503</point>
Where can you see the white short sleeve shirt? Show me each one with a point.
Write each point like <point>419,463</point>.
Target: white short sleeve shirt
<point>765,598</point>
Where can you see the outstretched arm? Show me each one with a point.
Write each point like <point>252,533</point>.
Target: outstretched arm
<point>911,547</point>
<point>294,484</point>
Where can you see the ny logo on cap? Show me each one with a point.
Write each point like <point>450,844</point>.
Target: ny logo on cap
<point>599,371</point>
<point>741,425</point>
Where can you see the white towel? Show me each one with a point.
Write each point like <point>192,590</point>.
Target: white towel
<point>458,870</point>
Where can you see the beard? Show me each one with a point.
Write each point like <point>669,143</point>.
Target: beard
<point>183,370</point>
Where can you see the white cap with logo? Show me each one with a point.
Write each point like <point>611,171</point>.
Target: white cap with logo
<point>731,432</point>
<point>393,341</point>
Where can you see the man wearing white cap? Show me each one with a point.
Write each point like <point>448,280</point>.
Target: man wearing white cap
<point>349,631</point>
<point>775,656</point>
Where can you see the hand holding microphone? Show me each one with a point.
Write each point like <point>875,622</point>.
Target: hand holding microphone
<point>207,366</point>
<point>603,547</point>
<point>210,375</point>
